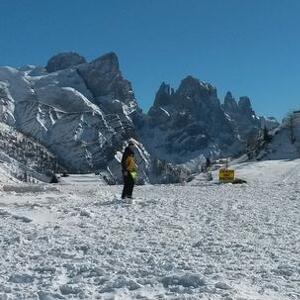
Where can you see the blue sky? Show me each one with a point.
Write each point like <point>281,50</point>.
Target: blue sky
<point>248,47</point>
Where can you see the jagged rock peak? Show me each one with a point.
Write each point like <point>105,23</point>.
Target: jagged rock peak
<point>230,105</point>
<point>191,86</point>
<point>229,96</point>
<point>164,89</point>
<point>110,59</point>
<point>244,104</point>
<point>163,95</point>
<point>190,83</point>
<point>106,66</point>
<point>104,79</point>
<point>63,61</point>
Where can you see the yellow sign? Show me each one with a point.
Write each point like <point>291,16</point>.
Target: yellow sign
<point>226,175</point>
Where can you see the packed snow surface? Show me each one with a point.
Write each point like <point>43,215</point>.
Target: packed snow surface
<point>76,240</point>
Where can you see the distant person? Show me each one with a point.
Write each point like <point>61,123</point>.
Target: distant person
<point>129,170</point>
<point>207,163</point>
<point>205,166</point>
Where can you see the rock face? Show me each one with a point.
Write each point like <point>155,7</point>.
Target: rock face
<point>188,122</point>
<point>109,90</point>
<point>63,61</point>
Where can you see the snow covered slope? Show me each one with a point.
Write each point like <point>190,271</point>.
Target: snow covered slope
<point>208,242</point>
<point>23,158</point>
<point>284,141</point>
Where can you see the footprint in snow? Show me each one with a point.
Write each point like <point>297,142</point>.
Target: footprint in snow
<point>22,218</point>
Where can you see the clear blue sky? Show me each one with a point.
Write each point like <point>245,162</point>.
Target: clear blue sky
<point>248,47</point>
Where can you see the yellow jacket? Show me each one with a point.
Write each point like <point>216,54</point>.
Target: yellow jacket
<point>130,164</point>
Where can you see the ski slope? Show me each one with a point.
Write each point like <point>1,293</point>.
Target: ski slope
<point>204,240</point>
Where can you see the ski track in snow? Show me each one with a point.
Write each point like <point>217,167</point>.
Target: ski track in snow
<point>213,241</point>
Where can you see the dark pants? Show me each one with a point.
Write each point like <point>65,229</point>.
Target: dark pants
<point>128,186</point>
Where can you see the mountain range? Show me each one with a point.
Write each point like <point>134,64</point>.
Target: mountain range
<point>83,113</point>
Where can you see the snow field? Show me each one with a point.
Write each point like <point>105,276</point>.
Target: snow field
<point>213,241</point>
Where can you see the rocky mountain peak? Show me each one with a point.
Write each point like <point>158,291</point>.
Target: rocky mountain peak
<point>63,61</point>
<point>244,105</point>
<point>189,86</point>
<point>108,62</point>
<point>164,88</point>
<point>163,96</point>
<point>185,123</point>
<point>104,80</point>
<point>192,87</point>
<point>228,95</point>
<point>230,105</point>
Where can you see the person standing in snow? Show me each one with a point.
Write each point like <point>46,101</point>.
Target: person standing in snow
<point>129,170</point>
<point>207,163</point>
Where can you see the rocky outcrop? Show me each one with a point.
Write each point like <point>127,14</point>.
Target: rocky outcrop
<point>63,61</point>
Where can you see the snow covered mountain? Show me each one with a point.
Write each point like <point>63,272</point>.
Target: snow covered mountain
<point>84,112</point>
<point>190,122</point>
<point>80,112</point>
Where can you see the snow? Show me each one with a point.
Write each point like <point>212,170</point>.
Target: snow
<point>74,101</point>
<point>165,111</point>
<point>211,241</point>
<point>19,86</point>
